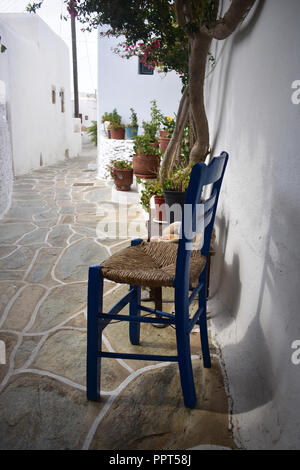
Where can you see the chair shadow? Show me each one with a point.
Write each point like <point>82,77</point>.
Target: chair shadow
<point>260,369</point>
<point>224,276</point>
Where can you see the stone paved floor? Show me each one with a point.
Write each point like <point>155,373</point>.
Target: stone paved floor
<point>47,241</point>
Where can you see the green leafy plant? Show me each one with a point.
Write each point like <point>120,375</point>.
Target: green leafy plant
<point>115,120</point>
<point>105,117</point>
<point>92,131</point>
<point>115,125</point>
<point>150,189</point>
<point>145,145</point>
<point>151,128</point>
<point>117,164</point>
<point>178,180</point>
<point>133,119</point>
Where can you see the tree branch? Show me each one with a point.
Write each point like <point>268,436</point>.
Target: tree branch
<point>172,149</point>
<point>235,14</point>
<point>179,8</point>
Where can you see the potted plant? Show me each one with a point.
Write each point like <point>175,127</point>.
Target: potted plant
<point>131,129</point>
<point>154,188</point>
<point>122,174</point>
<point>105,119</point>
<point>146,158</point>
<point>151,128</point>
<point>117,130</point>
<point>166,133</point>
<point>92,132</point>
<point>174,190</point>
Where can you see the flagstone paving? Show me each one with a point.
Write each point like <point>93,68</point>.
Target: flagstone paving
<point>48,239</point>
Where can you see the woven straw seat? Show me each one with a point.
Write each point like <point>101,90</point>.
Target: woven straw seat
<point>150,264</point>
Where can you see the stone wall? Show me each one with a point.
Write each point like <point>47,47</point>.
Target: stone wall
<point>110,149</point>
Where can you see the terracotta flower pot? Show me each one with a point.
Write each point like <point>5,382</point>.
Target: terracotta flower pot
<point>163,143</point>
<point>160,211</point>
<point>163,133</point>
<point>123,179</point>
<point>145,166</point>
<point>118,134</point>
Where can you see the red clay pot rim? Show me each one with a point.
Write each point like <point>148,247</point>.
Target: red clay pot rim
<point>124,169</point>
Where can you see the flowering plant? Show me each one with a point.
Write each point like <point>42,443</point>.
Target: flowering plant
<point>168,124</point>
<point>118,164</point>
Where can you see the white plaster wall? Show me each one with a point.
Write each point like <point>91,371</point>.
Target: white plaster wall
<point>120,86</point>
<point>87,107</point>
<point>6,173</point>
<point>256,273</point>
<point>36,59</point>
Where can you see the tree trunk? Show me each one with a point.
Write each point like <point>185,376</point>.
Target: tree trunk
<point>199,48</point>
<point>175,142</point>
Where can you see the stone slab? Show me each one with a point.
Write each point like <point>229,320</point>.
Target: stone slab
<point>74,264</point>
<point>23,307</point>
<point>60,304</point>
<point>40,413</point>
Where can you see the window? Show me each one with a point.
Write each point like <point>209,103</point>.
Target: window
<point>86,118</point>
<point>53,94</point>
<point>62,100</point>
<point>145,69</point>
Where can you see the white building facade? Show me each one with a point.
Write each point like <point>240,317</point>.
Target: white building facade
<point>36,73</point>
<point>121,86</point>
<point>87,108</point>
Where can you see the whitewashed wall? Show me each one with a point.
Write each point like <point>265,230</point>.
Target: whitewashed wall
<point>88,108</point>
<point>36,59</point>
<point>256,309</point>
<point>6,173</point>
<point>120,86</point>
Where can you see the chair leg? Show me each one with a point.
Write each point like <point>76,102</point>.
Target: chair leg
<point>185,368</point>
<point>134,326</point>
<point>94,333</point>
<point>203,328</point>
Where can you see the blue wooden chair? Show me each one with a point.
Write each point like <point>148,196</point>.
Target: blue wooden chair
<point>157,264</point>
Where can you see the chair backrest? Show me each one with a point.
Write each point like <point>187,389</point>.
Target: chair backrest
<point>199,215</point>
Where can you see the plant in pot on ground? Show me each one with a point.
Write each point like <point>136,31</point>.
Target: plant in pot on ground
<point>146,157</point>
<point>174,190</point>
<point>92,132</point>
<point>146,160</point>
<point>117,129</point>
<point>131,129</point>
<point>122,174</point>
<point>153,188</point>
<point>166,133</point>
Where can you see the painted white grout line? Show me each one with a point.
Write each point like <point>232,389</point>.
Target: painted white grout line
<point>10,303</point>
<point>32,263</point>
<point>108,404</point>
<point>52,376</point>
<point>12,252</point>
<point>120,361</point>
<point>11,363</point>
